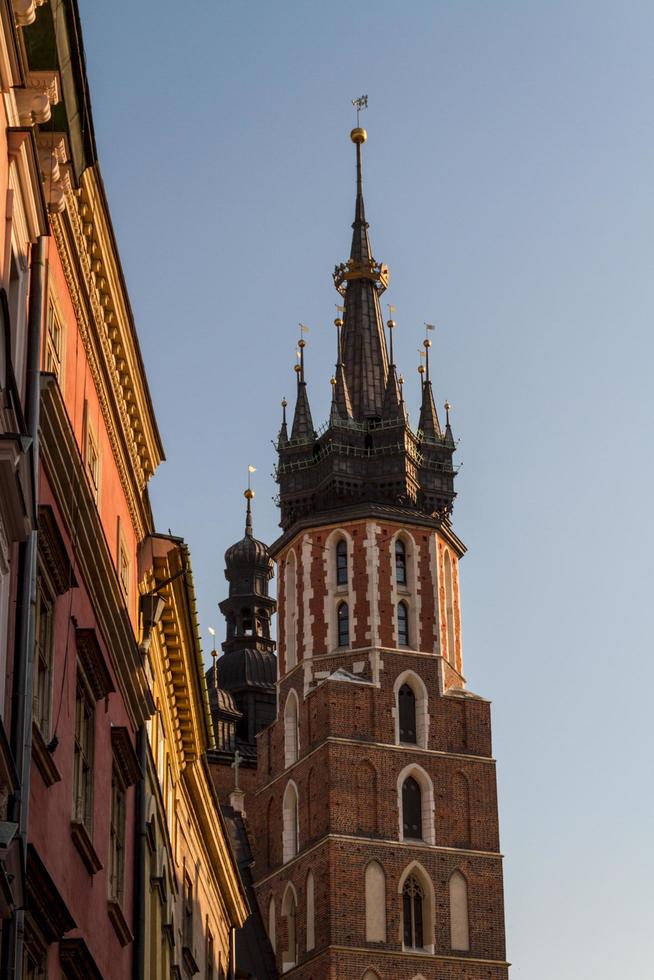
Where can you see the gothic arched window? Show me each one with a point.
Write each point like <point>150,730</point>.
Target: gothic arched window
<point>407,711</point>
<point>400,562</point>
<point>341,562</point>
<point>290,729</point>
<point>290,822</point>
<point>289,912</point>
<point>412,903</point>
<point>402,624</point>
<point>343,625</point>
<point>411,809</point>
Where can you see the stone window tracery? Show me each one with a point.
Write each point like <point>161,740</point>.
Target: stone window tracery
<point>412,913</point>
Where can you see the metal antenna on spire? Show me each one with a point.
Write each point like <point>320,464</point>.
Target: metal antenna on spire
<point>359,104</point>
<point>427,345</point>
<point>391,326</point>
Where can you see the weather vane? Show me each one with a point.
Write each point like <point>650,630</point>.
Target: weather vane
<point>359,104</point>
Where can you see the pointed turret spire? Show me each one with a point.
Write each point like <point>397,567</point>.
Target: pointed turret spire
<point>449,438</point>
<point>302,422</point>
<point>283,432</point>
<point>360,281</point>
<point>428,424</point>
<point>392,407</point>
<point>341,404</point>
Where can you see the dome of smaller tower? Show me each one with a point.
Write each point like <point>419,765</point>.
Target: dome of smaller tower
<point>248,551</point>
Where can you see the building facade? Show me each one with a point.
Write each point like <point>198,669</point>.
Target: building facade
<point>373,818</point>
<point>109,867</point>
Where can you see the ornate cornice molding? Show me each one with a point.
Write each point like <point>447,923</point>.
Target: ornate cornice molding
<point>84,326</point>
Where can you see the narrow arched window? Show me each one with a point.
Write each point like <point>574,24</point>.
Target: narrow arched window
<point>290,823</point>
<point>412,902</point>
<point>407,712</point>
<point>343,625</point>
<point>289,912</point>
<point>271,923</point>
<point>411,809</point>
<point>341,562</point>
<point>402,624</point>
<point>400,562</point>
<point>459,932</point>
<point>290,730</point>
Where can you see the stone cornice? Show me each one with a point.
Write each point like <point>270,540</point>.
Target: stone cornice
<point>91,268</point>
<point>179,644</point>
<point>407,846</point>
<point>362,743</point>
<point>360,513</point>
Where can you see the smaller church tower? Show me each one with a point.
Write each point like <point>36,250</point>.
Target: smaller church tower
<point>242,683</point>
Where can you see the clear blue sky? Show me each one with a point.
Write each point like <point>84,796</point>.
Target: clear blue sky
<point>509,185</point>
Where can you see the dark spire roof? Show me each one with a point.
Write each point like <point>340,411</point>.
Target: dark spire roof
<point>449,438</point>
<point>393,406</point>
<point>302,429</point>
<point>428,424</point>
<point>283,432</point>
<point>368,451</point>
<point>361,280</point>
<point>248,550</point>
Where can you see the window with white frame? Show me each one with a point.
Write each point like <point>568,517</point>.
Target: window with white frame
<point>53,343</point>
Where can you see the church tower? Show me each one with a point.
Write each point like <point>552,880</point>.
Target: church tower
<point>374,824</point>
<point>241,684</point>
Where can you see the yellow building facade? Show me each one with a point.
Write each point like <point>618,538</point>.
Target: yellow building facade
<point>195,896</point>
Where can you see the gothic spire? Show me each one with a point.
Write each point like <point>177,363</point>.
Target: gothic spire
<point>341,403</point>
<point>392,407</point>
<point>302,423</point>
<point>360,281</point>
<point>428,424</point>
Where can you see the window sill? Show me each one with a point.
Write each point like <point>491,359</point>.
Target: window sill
<point>43,759</point>
<point>84,845</point>
<point>189,961</point>
<point>119,922</point>
<point>418,950</point>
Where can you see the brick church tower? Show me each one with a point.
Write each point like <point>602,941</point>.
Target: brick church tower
<point>373,822</point>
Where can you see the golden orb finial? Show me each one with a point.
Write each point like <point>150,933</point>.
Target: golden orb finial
<point>248,494</point>
<point>338,322</point>
<point>358,135</point>
<point>421,369</point>
<point>297,368</point>
<point>332,381</point>
<point>302,343</point>
<point>391,324</point>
